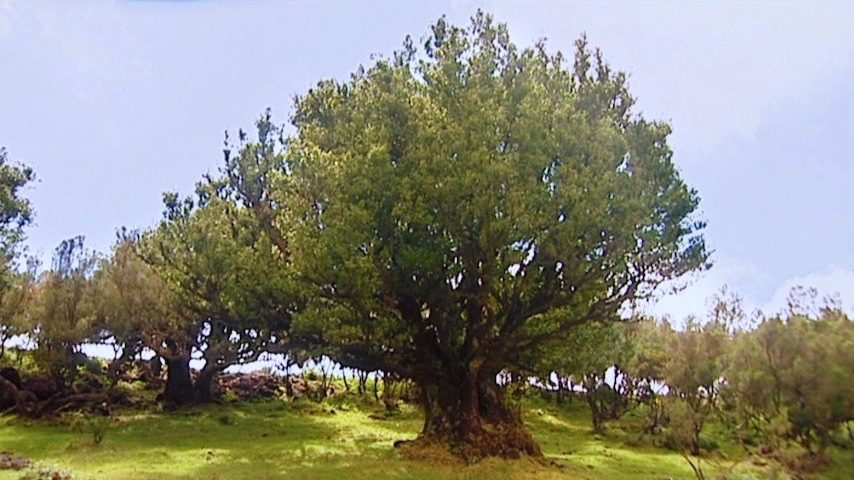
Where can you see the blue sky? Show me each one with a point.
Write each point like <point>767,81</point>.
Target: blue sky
<point>114,103</point>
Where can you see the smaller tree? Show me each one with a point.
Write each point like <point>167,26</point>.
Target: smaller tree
<point>820,385</point>
<point>60,315</point>
<point>799,369</point>
<point>588,355</point>
<point>233,296</point>
<point>682,431</point>
<point>694,372</point>
<point>650,341</point>
<point>754,389</point>
<point>129,301</point>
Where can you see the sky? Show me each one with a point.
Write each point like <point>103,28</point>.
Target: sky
<point>113,103</point>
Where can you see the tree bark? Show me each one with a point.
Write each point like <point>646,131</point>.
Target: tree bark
<point>179,383</point>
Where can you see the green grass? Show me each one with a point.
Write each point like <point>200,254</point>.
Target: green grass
<point>275,439</point>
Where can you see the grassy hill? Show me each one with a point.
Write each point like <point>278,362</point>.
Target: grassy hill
<point>346,437</point>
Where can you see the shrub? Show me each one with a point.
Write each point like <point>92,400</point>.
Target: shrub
<point>95,426</point>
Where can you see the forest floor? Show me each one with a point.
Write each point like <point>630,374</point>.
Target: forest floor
<point>349,436</point>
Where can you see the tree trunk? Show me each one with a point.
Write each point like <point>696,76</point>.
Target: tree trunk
<point>596,416</point>
<point>346,383</point>
<point>389,400</point>
<point>203,389</point>
<point>179,383</point>
<point>468,411</point>
<point>376,389</point>
<point>363,382</point>
<point>570,389</point>
<point>289,379</point>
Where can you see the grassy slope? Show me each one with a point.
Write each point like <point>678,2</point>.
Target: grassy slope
<point>284,440</point>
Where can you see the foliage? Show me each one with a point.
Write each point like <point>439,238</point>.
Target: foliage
<point>15,211</point>
<point>797,368</point>
<point>15,214</point>
<point>694,371</point>
<point>233,300</point>
<point>587,355</point>
<point>129,301</point>
<point>16,292</point>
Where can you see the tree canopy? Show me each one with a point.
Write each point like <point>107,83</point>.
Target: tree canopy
<point>442,202</point>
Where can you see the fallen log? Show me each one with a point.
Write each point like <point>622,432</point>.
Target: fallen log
<point>25,402</point>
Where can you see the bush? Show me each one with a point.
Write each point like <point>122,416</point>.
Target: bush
<point>95,426</point>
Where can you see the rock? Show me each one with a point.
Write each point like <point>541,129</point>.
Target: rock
<point>8,462</point>
<point>252,385</point>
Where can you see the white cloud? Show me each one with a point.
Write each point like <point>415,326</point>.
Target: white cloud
<point>714,70</point>
<point>744,279</point>
<point>692,300</point>
<point>834,281</point>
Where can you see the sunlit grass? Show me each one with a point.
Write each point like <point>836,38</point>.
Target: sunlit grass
<point>341,438</point>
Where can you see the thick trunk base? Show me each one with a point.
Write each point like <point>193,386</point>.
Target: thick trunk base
<point>471,419</point>
<point>503,441</point>
<point>179,382</point>
<point>181,389</point>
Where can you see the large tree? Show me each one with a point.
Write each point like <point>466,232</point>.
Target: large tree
<point>443,201</point>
